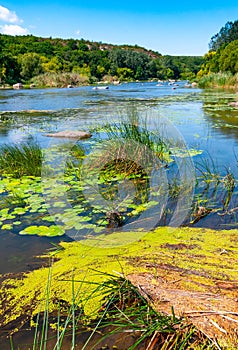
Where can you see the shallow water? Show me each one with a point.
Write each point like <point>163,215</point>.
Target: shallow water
<point>204,119</point>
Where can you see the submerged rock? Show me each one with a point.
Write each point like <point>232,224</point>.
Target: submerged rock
<point>234,104</point>
<point>71,134</point>
<point>114,219</point>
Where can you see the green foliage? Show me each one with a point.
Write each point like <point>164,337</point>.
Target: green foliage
<point>222,58</point>
<point>9,68</point>
<point>228,58</point>
<point>31,56</point>
<point>52,65</point>
<point>20,160</point>
<point>125,73</point>
<point>227,34</point>
<point>30,64</point>
<point>218,80</point>
<point>210,64</point>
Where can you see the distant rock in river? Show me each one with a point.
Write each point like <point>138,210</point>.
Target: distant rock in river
<point>71,134</point>
<point>17,86</point>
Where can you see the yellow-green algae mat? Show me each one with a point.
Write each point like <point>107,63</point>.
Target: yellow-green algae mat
<point>208,257</point>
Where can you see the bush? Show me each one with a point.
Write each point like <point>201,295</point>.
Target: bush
<point>61,79</point>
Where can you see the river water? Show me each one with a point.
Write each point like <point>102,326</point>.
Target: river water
<point>204,118</point>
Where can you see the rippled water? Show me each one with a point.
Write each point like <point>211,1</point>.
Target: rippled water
<point>204,119</point>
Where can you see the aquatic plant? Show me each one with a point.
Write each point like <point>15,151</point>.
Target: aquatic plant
<point>135,126</point>
<point>214,191</point>
<point>89,282</point>
<point>21,159</point>
<point>219,80</point>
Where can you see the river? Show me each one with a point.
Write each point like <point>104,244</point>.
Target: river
<point>204,118</point>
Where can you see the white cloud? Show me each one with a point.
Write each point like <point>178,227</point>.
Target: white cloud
<point>77,32</point>
<point>13,29</point>
<point>8,16</point>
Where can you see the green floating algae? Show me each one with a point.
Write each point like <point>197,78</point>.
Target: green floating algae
<point>203,257</point>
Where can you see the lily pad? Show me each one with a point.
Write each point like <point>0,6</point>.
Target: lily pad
<point>48,231</point>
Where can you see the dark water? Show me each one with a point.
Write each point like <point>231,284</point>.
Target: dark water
<point>204,119</point>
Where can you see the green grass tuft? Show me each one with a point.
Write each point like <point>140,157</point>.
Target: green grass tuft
<point>21,159</point>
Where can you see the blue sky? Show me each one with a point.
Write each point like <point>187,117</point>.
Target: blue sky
<point>170,27</point>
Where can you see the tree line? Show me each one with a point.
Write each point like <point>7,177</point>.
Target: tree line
<point>223,51</point>
<point>22,58</point>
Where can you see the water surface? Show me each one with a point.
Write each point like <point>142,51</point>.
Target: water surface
<point>204,119</point>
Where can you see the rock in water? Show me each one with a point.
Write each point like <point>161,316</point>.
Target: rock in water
<point>233,104</point>
<point>71,134</point>
<point>114,219</point>
<point>17,86</point>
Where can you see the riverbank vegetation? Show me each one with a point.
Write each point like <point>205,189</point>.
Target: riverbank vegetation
<point>220,67</point>
<point>58,62</point>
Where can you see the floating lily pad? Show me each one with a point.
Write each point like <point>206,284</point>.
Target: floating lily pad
<point>49,231</point>
<point>7,227</point>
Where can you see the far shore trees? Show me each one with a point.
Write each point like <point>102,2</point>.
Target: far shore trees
<point>27,58</point>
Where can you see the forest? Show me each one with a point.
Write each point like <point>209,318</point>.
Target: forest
<point>221,62</point>
<point>56,62</point>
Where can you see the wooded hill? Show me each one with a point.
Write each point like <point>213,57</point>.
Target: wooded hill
<point>29,58</point>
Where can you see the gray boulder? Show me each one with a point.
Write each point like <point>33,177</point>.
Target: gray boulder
<point>71,134</point>
<point>234,104</point>
<point>17,86</point>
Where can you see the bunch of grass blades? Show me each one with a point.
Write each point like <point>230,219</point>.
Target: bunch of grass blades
<point>21,159</point>
<point>126,320</point>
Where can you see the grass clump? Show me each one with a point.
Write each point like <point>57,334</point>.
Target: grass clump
<point>219,80</point>
<point>19,160</point>
<point>126,311</point>
<point>125,320</point>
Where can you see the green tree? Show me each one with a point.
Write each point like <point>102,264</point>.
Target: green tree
<point>30,64</point>
<point>125,73</point>
<point>84,71</point>
<point>52,65</point>
<point>228,58</point>
<point>227,34</point>
<point>210,64</point>
<point>9,68</point>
